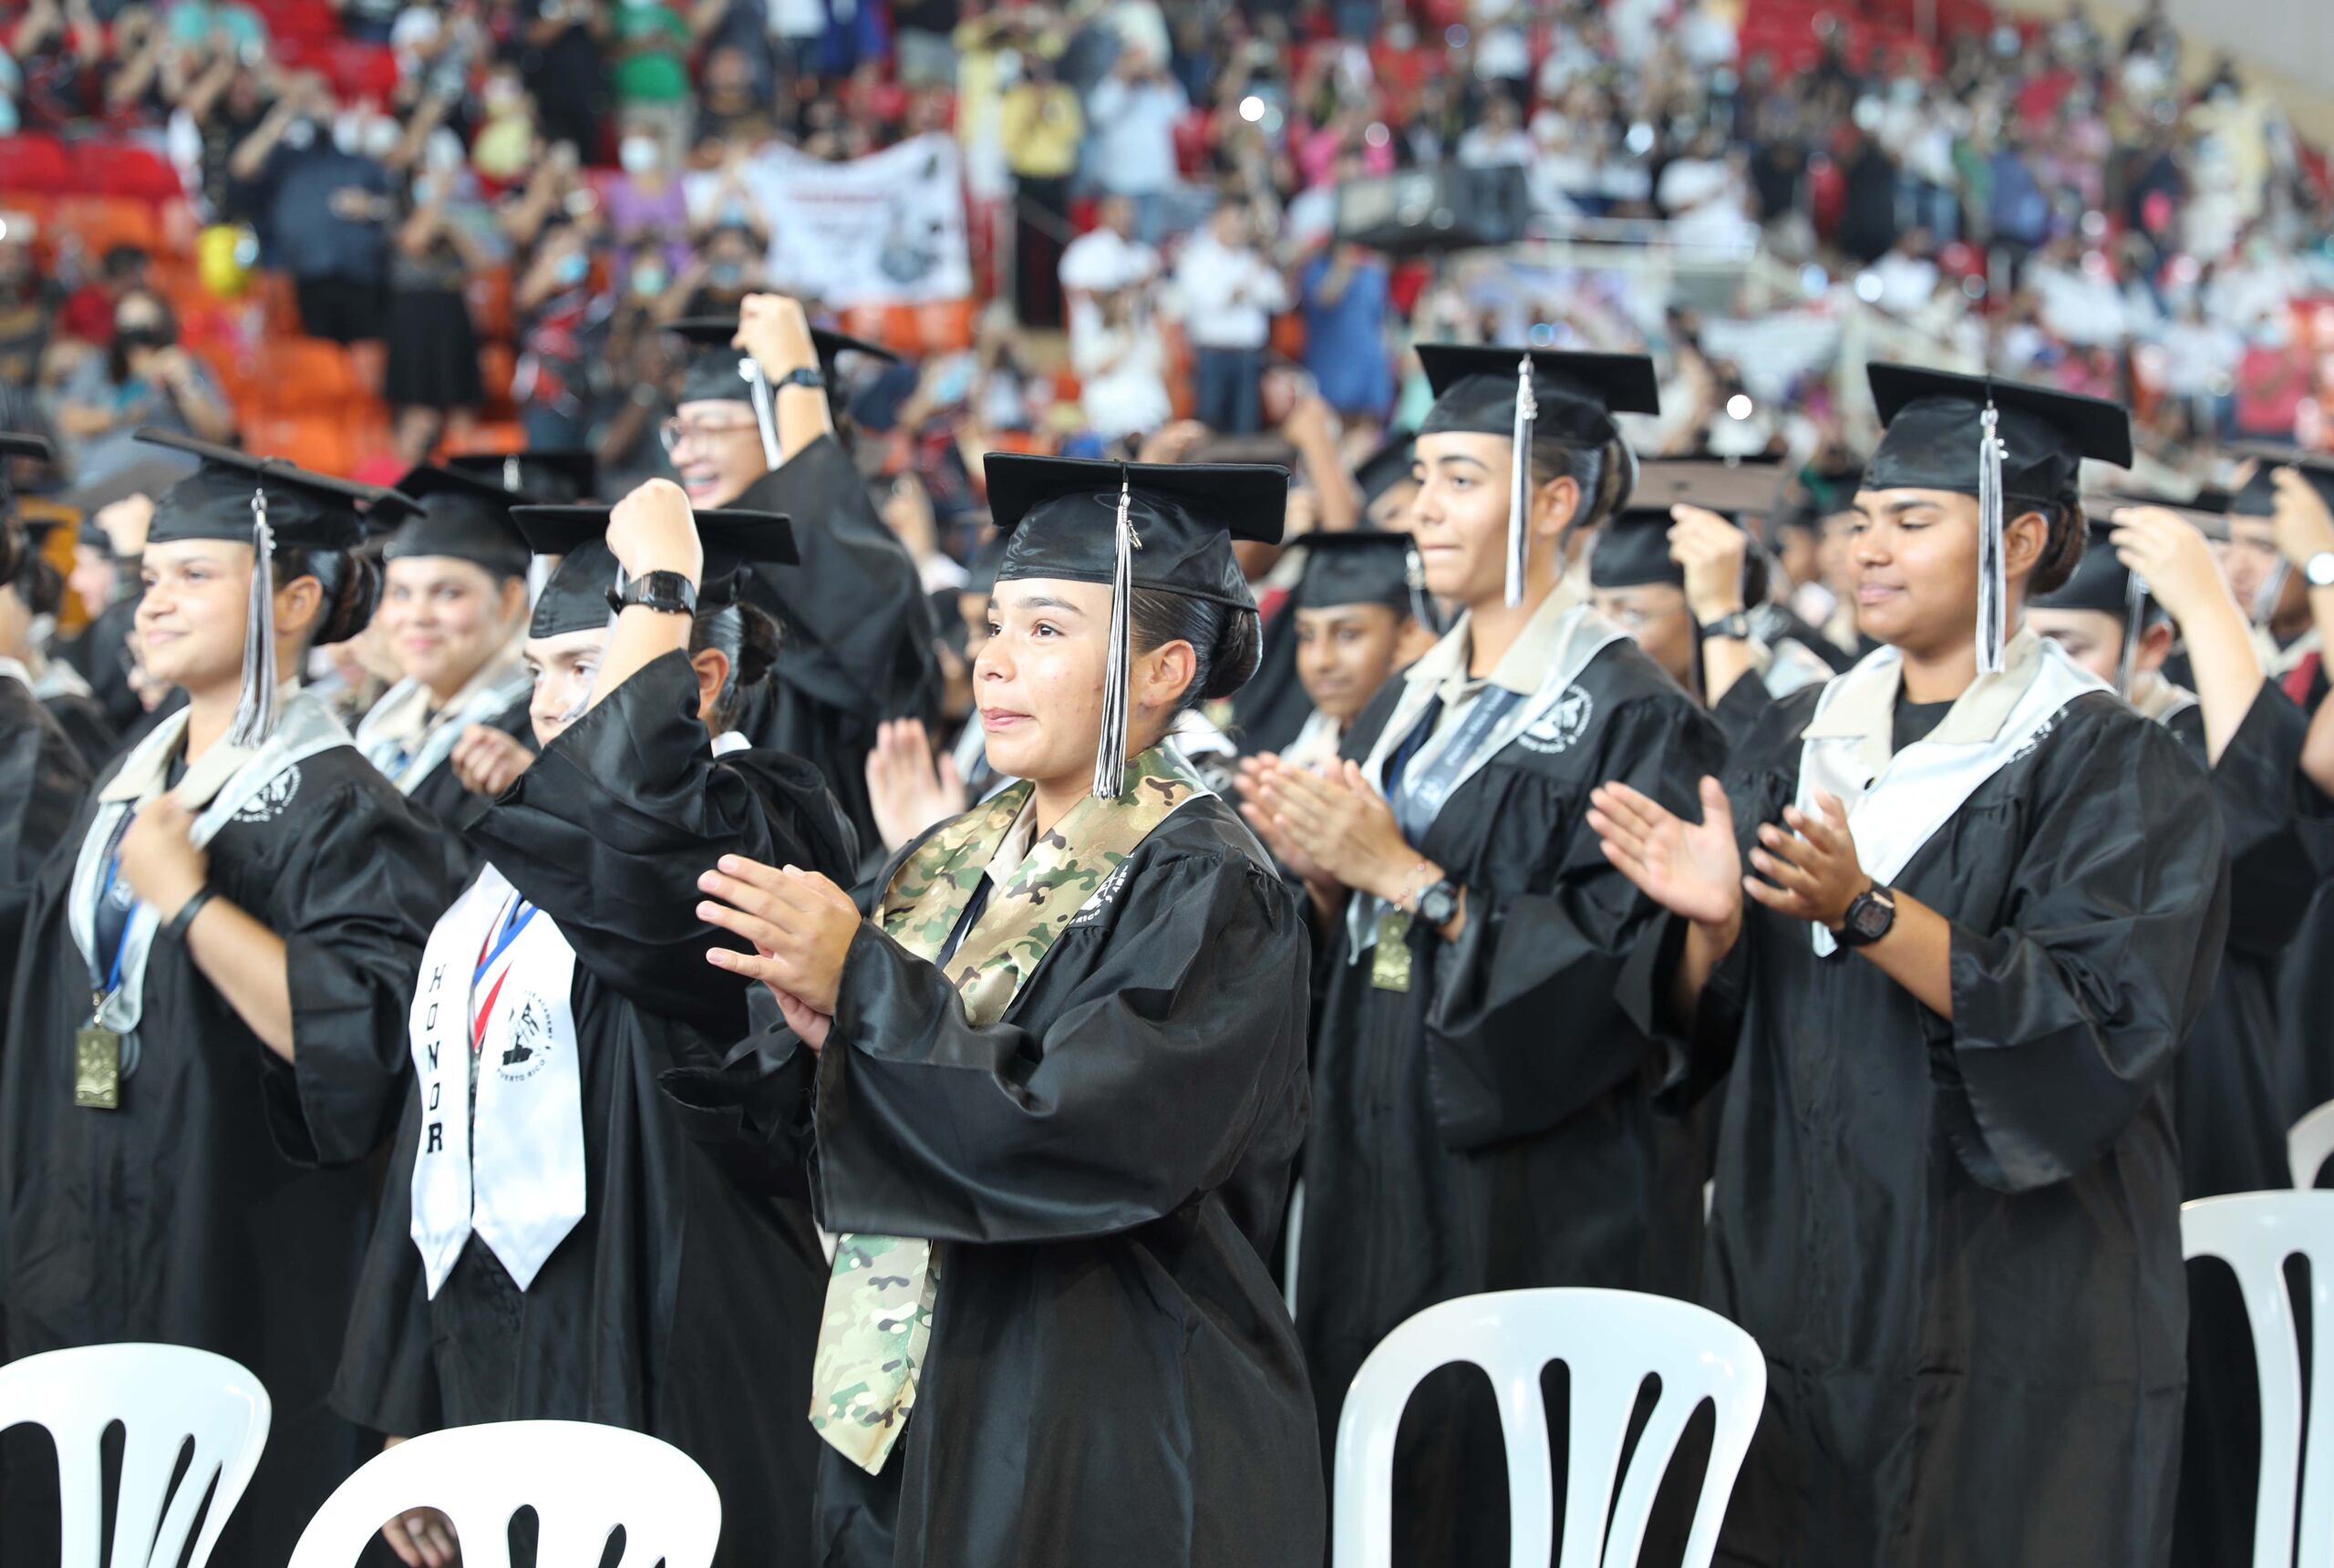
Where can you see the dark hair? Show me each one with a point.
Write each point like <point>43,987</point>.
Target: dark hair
<point>167,332</point>
<point>1605,474</point>
<point>748,639</point>
<point>40,585</point>
<point>1228,642</point>
<point>351,584</point>
<point>121,260</point>
<point>2061,549</point>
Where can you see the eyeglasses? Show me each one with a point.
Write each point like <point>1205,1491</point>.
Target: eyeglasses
<point>674,432</point>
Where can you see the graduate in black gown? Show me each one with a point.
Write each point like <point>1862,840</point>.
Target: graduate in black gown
<point>1271,709</point>
<point>612,1274</point>
<point>1983,910</point>
<point>28,609</point>
<point>1483,1089</point>
<point>1051,1094</point>
<point>247,898</point>
<point>1361,613</point>
<point>859,645</point>
<point>43,775</point>
<point>2229,1093</point>
<point>1677,571</point>
<point>453,604</point>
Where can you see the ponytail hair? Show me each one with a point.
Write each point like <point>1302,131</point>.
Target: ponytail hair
<point>352,589</point>
<point>745,636</point>
<point>2061,549</point>
<point>1227,643</point>
<point>1606,472</point>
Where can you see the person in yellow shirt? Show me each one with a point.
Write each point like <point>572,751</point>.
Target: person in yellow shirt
<point>1043,126</point>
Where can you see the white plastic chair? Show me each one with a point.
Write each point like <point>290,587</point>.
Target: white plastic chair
<point>582,1479</point>
<point>1609,1339</point>
<point>164,1396</point>
<point>2309,1145</point>
<point>2256,1232</point>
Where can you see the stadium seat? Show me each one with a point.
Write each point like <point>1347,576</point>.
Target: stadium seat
<point>101,223</point>
<point>34,163</point>
<point>306,375</point>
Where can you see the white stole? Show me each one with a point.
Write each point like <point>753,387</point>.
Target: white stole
<point>1896,803</point>
<point>506,1163</point>
<point>395,722</point>
<point>262,782</point>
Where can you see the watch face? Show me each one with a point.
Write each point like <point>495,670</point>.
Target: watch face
<point>1870,917</point>
<point>1437,905</point>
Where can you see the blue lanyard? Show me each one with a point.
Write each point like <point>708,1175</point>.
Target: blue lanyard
<point>515,921</point>
<point>1418,796</point>
<point>104,890</point>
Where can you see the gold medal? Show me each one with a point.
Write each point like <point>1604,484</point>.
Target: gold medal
<point>96,1068</point>
<point>1389,964</point>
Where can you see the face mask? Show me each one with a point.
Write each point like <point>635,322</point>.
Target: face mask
<point>639,154</point>
<point>573,270</point>
<point>152,334</point>
<point>725,275</point>
<point>648,281</point>
<point>381,138</point>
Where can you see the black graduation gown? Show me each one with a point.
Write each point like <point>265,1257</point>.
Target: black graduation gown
<point>1112,1377</point>
<point>1958,1243</point>
<point>1494,1128</point>
<point>177,1218</point>
<point>100,651</point>
<point>85,725</point>
<point>859,644</point>
<point>1268,711</point>
<point>681,1305</point>
<point>43,780</point>
<point>441,792</point>
<point>2231,1098</point>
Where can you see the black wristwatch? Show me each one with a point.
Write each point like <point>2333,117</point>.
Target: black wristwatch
<point>1870,915</point>
<point>667,593</point>
<point>1437,901</point>
<point>1736,625</point>
<point>809,375</point>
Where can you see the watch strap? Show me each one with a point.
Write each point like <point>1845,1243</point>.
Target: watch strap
<point>809,375</point>
<point>668,593</point>
<point>177,929</point>
<point>1735,623</point>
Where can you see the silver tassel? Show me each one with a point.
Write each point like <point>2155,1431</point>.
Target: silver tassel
<point>1993,583</point>
<point>511,473</point>
<point>2264,607</point>
<point>255,715</point>
<point>2135,607</point>
<point>1519,495</point>
<point>1414,578</point>
<point>1110,753</point>
<point>765,411</point>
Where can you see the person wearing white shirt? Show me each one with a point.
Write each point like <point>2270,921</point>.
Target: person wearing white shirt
<point>1499,140</point>
<point>1229,293</point>
<point>1132,114</point>
<point>1106,259</point>
<point>1121,364</point>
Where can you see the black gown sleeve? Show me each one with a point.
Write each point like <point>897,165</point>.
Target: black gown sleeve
<point>1530,1020</point>
<point>860,633</point>
<point>2066,1018</point>
<point>388,1380</point>
<point>2280,827</point>
<point>1737,714</point>
<point>609,831</point>
<point>355,907</point>
<point>1136,1095</point>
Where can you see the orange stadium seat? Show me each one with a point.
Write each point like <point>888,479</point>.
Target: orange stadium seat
<point>101,223</point>
<point>306,375</point>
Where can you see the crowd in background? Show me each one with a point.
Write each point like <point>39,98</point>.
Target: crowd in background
<point>1153,194</point>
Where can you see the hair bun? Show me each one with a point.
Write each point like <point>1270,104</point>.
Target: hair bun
<point>757,643</point>
<point>1239,649</point>
<point>2061,550</point>
<point>353,604</point>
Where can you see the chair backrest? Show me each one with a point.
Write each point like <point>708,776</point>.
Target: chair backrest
<point>1610,1340</point>
<point>582,1481</point>
<point>2256,1232</point>
<point>2308,1144</point>
<point>165,1397</point>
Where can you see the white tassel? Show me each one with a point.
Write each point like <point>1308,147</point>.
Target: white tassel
<point>2264,607</point>
<point>1519,496</point>
<point>2135,606</point>
<point>1414,578</point>
<point>511,473</point>
<point>254,721</point>
<point>765,409</point>
<point>1111,754</point>
<point>1993,581</point>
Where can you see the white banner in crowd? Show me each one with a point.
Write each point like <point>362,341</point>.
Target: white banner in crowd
<point>886,229</point>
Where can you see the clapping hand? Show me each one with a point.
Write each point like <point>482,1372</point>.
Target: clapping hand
<point>1690,869</point>
<point>907,789</point>
<point>487,762</point>
<point>801,926</point>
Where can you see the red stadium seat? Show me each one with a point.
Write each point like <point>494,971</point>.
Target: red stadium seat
<point>35,164</point>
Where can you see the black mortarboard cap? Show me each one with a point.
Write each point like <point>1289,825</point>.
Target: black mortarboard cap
<point>14,550</point>
<point>1633,548</point>
<point>1363,567</point>
<point>2001,441</point>
<point>577,596</point>
<point>980,573</point>
<point>1167,527</point>
<point>2207,511</point>
<point>268,504</point>
<point>715,375</point>
<point>556,475</point>
<point>2100,581</point>
<point>444,512</point>
<point>1389,466</point>
<point>1936,416</point>
<point>2259,496</point>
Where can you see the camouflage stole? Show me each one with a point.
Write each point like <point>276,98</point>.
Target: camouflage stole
<point>878,1318</point>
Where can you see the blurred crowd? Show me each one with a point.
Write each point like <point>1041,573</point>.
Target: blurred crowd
<point>1153,201</point>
